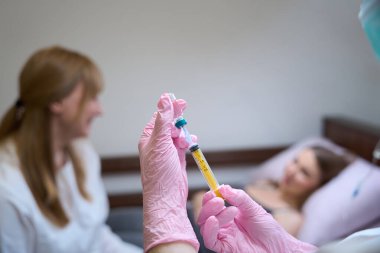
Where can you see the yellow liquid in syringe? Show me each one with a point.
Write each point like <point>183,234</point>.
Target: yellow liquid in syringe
<point>205,169</point>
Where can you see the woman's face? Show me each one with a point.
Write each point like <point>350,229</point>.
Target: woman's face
<point>74,120</point>
<point>302,175</point>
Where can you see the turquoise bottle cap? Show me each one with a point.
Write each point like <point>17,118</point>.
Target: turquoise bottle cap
<point>180,122</point>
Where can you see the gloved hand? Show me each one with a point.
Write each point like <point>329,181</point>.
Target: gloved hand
<point>243,227</point>
<point>162,150</point>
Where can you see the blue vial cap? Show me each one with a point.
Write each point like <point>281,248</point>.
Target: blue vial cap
<point>180,122</point>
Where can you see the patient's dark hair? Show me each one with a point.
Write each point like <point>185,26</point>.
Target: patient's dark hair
<point>330,163</point>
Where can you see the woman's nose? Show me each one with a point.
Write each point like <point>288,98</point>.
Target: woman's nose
<point>292,169</point>
<point>98,108</point>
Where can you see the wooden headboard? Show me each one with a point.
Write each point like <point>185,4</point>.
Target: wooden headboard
<point>358,137</point>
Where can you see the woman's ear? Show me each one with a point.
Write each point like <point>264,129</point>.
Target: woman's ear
<point>56,107</point>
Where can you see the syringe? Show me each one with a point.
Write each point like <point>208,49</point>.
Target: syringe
<point>203,166</point>
<point>198,156</point>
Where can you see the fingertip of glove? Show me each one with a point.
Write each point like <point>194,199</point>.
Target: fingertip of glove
<point>179,106</point>
<point>212,221</point>
<point>225,190</point>
<point>227,215</point>
<point>208,195</point>
<point>231,195</point>
<point>164,103</point>
<point>213,207</point>
<point>210,228</point>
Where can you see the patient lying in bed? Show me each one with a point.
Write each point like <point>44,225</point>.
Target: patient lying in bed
<point>310,169</point>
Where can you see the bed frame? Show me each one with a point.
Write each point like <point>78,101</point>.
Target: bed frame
<point>354,135</point>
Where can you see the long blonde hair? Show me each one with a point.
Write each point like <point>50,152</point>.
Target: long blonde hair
<point>48,76</point>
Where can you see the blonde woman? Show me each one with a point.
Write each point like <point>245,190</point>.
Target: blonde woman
<point>51,195</point>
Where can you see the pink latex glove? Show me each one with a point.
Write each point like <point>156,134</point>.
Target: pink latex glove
<point>162,150</point>
<point>243,227</point>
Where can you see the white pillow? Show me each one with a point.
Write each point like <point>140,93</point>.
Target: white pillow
<point>332,212</point>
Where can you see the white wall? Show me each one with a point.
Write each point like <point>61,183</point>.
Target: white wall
<point>254,73</point>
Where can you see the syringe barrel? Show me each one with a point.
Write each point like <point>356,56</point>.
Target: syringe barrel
<point>204,167</point>
<point>197,154</point>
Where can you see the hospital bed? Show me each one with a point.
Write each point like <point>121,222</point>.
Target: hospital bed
<point>330,213</point>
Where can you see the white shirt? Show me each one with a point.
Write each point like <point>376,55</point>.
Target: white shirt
<point>23,228</point>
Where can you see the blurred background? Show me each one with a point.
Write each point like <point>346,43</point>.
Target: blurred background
<point>255,73</point>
